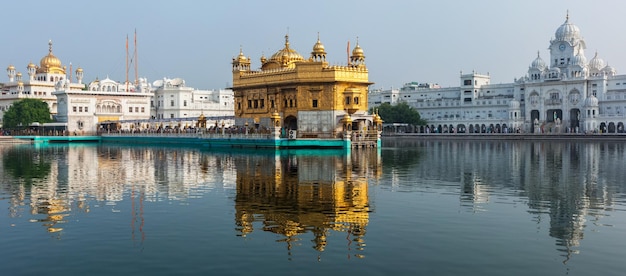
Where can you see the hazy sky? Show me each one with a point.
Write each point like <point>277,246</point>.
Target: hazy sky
<point>403,41</point>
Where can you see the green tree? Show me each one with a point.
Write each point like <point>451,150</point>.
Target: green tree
<point>399,113</point>
<point>24,112</point>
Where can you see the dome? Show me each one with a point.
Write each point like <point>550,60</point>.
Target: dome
<point>538,63</point>
<point>567,31</point>
<point>358,51</point>
<point>609,70</point>
<point>318,48</point>
<point>50,63</point>
<point>11,67</point>
<point>31,65</point>
<point>596,63</point>
<point>241,58</point>
<point>579,60</point>
<point>286,55</point>
<point>591,101</point>
<point>78,70</point>
<point>514,104</point>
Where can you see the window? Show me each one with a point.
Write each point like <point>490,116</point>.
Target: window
<point>271,103</point>
<point>314,103</point>
<point>73,108</point>
<point>171,115</point>
<point>347,100</point>
<point>249,103</point>
<point>137,109</point>
<point>86,109</point>
<point>467,82</point>
<point>130,109</point>
<point>80,109</point>
<point>256,103</point>
<point>172,103</point>
<point>262,103</point>
<point>356,100</point>
<point>143,109</point>
<point>185,103</point>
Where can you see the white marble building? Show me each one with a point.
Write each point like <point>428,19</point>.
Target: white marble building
<point>173,99</point>
<point>568,93</point>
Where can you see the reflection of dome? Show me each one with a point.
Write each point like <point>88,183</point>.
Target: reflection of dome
<point>514,104</point>
<point>596,63</point>
<point>286,55</point>
<point>50,63</point>
<point>538,63</point>
<point>591,101</point>
<point>567,31</point>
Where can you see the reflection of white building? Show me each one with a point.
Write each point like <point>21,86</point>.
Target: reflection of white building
<point>566,93</point>
<point>42,80</point>
<point>172,99</point>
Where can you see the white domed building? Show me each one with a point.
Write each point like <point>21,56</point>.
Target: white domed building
<point>42,80</point>
<point>563,94</point>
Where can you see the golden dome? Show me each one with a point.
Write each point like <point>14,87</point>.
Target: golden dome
<point>50,63</point>
<point>19,74</point>
<point>78,70</point>
<point>286,55</point>
<point>358,51</point>
<point>31,65</point>
<point>241,57</point>
<point>318,48</point>
<point>11,67</point>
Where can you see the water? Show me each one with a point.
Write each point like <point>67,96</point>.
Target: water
<point>413,207</point>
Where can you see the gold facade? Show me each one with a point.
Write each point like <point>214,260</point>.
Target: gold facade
<point>288,84</point>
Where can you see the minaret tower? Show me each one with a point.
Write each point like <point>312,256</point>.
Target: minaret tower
<point>11,73</point>
<point>79,75</point>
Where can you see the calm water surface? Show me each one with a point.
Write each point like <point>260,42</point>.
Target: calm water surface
<point>413,207</point>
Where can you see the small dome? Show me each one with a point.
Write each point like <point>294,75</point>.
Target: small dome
<point>609,70</point>
<point>318,48</point>
<point>31,65</point>
<point>11,67</point>
<point>538,63</point>
<point>596,63</point>
<point>591,101</point>
<point>514,104</point>
<point>241,58</point>
<point>567,31</point>
<point>579,60</point>
<point>358,51</point>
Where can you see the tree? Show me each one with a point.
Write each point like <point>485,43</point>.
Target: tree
<point>399,113</point>
<point>24,112</point>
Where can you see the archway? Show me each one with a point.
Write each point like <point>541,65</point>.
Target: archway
<point>291,122</point>
<point>574,119</point>
<point>534,115</point>
<point>460,128</point>
<point>611,127</point>
<point>553,114</point>
<point>620,127</point>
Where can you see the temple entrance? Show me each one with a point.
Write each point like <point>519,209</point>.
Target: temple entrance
<point>534,116</point>
<point>554,114</point>
<point>291,123</point>
<point>574,119</point>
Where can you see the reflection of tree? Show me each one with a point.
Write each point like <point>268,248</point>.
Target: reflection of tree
<point>297,194</point>
<point>26,163</point>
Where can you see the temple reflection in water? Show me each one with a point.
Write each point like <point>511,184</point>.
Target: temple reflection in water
<point>297,194</point>
<point>567,181</point>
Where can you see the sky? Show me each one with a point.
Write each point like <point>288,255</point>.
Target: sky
<point>403,41</point>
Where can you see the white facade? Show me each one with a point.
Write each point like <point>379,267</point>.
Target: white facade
<point>172,99</point>
<point>104,100</point>
<point>567,94</point>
